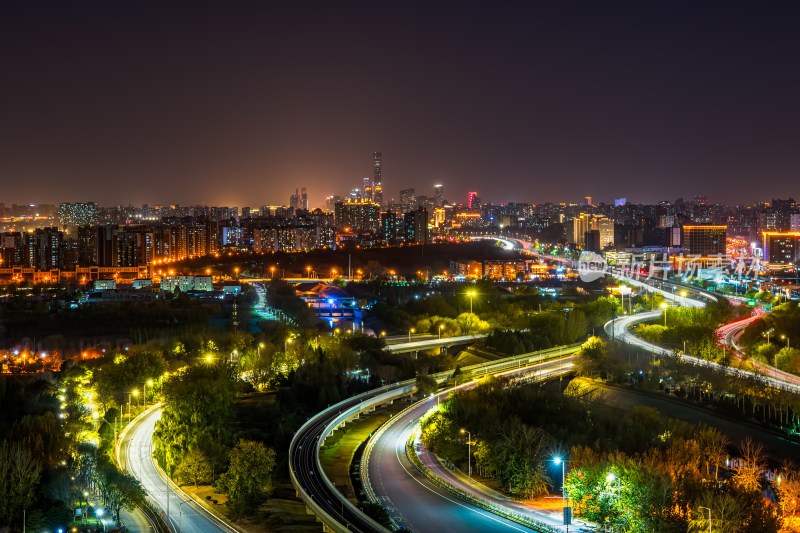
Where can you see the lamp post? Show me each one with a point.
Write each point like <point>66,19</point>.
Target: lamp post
<point>136,394</point>
<point>469,454</point>
<point>412,330</point>
<point>683,301</point>
<point>471,295</point>
<point>664,307</point>
<point>286,344</point>
<point>559,461</point>
<point>709,516</point>
<point>611,478</point>
<point>787,340</point>
<point>441,327</point>
<point>148,382</point>
<point>258,350</point>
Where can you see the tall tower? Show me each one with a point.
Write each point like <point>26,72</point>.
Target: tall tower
<point>304,198</point>
<point>377,188</point>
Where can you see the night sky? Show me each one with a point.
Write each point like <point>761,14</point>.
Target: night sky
<point>239,103</point>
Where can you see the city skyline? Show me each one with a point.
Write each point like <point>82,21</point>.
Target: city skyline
<point>532,102</point>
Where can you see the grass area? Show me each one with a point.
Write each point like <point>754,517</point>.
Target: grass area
<point>337,454</point>
<point>282,513</point>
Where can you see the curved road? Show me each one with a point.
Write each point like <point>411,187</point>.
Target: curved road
<point>137,452</point>
<point>729,334</point>
<point>419,505</point>
<point>304,462</point>
<point>620,326</point>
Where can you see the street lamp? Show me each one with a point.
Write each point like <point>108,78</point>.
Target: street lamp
<point>412,330</point>
<point>258,350</point>
<point>559,461</point>
<point>709,516</point>
<point>471,295</point>
<point>611,478</point>
<point>683,295</point>
<point>469,453</point>
<point>148,382</point>
<point>787,340</point>
<point>98,513</point>
<point>180,517</point>
<point>664,307</point>
<point>441,327</point>
<point>286,344</point>
<point>136,393</point>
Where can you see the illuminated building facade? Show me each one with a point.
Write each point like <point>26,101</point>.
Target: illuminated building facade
<point>704,241</point>
<point>416,226</point>
<point>358,216</point>
<point>585,223</point>
<point>377,185</point>
<point>781,248</point>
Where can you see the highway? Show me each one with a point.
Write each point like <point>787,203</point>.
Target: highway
<point>427,344</point>
<point>728,335</point>
<point>318,492</point>
<point>416,503</point>
<point>180,512</point>
<point>620,330</point>
<point>307,472</point>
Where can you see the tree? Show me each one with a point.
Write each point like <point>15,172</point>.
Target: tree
<point>248,481</point>
<point>426,385</point>
<point>195,468</point>
<point>748,475</point>
<point>19,477</point>
<point>713,444</point>
<point>377,512</point>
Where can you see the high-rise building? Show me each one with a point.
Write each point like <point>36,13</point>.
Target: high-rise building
<point>73,215</point>
<point>294,200</point>
<point>389,226</point>
<point>416,226</point>
<point>408,199</point>
<point>377,185</point>
<point>438,195</point>
<point>794,222</point>
<point>470,198</point>
<point>48,248</point>
<point>304,199</point>
<point>704,241</point>
<point>330,202</point>
<point>781,248</point>
<point>357,216</point>
<point>586,223</point>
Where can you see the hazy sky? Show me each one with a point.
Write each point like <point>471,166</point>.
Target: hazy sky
<point>239,103</point>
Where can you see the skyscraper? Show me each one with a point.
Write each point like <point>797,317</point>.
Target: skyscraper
<point>377,187</point>
<point>304,198</point>
<point>438,195</point>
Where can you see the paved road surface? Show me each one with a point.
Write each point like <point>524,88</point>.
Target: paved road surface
<point>184,514</point>
<point>414,502</point>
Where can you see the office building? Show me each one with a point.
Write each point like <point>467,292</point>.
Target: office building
<point>408,198</point>
<point>704,241</point>
<point>377,184</point>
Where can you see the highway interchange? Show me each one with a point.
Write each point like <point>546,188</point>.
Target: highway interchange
<point>412,500</point>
